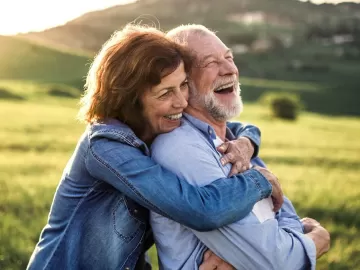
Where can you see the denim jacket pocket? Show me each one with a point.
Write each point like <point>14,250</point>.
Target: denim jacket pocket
<point>126,225</point>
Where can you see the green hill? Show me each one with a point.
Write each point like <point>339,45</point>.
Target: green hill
<point>52,68</point>
<point>332,69</point>
<point>89,31</point>
<point>23,60</point>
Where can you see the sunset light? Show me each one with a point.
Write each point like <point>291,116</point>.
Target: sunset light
<point>36,15</point>
<point>20,16</point>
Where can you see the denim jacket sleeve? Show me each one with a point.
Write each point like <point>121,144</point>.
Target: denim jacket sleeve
<point>246,130</point>
<point>130,171</point>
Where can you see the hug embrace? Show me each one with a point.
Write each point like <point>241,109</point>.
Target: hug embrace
<point>159,162</point>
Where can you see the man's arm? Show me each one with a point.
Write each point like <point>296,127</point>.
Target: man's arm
<point>288,218</point>
<point>246,130</point>
<point>247,244</point>
<point>140,178</point>
<point>241,149</point>
<point>261,246</point>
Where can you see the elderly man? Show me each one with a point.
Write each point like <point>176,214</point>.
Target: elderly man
<point>262,240</point>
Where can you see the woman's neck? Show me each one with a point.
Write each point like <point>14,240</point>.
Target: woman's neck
<point>147,137</point>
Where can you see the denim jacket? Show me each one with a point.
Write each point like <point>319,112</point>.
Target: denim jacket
<point>99,215</point>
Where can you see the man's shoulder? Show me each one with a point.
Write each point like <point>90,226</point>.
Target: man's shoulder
<point>184,133</point>
<point>177,144</point>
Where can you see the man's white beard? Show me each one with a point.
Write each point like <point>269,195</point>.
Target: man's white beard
<point>213,106</point>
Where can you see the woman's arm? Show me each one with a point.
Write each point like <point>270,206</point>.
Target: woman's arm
<point>141,179</point>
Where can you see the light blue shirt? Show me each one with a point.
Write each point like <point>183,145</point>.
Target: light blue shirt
<point>277,243</point>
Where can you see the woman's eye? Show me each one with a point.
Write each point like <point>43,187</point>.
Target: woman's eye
<point>165,94</point>
<point>185,84</point>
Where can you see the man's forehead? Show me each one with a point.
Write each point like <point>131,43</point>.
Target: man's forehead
<point>213,53</point>
<point>206,45</point>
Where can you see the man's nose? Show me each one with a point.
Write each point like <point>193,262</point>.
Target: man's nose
<point>228,68</point>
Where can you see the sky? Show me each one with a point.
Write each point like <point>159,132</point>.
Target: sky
<point>20,16</point>
<point>36,15</point>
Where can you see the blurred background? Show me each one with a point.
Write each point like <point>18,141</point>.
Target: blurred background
<point>299,65</point>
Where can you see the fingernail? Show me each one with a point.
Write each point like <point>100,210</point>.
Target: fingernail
<point>222,162</point>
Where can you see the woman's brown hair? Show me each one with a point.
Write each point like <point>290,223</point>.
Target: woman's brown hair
<point>129,63</point>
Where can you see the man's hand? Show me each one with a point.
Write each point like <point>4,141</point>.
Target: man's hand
<point>277,194</point>
<point>309,224</point>
<point>238,152</point>
<point>211,262</point>
<point>318,234</point>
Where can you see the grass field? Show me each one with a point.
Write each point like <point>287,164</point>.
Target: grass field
<point>317,160</point>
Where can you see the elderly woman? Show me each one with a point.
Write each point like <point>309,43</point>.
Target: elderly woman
<point>137,88</point>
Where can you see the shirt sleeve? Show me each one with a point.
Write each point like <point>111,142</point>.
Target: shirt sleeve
<point>261,246</point>
<point>246,130</point>
<point>288,218</point>
<point>129,170</point>
<point>246,244</point>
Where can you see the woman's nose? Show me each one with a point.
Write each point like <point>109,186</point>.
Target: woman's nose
<point>180,100</point>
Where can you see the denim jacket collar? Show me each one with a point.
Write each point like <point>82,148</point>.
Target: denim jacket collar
<point>115,130</point>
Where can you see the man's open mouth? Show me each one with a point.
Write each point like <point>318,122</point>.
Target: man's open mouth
<point>225,89</point>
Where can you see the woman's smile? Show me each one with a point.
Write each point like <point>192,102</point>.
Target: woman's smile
<point>164,103</point>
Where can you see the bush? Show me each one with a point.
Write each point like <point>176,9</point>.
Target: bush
<point>5,94</point>
<point>282,105</point>
<point>59,90</point>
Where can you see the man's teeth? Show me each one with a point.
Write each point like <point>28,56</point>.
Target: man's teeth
<point>224,86</point>
<point>174,116</point>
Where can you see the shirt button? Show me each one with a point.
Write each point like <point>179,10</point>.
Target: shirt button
<point>210,131</point>
<point>135,211</point>
<point>127,268</point>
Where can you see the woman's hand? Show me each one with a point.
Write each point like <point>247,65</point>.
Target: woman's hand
<point>211,262</point>
<point>277,195</point>
<point>238,152</point>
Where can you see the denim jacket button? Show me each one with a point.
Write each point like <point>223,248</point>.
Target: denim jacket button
<point>136,211</point>
<point>127,268</point>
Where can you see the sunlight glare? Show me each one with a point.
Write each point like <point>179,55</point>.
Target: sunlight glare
<point>20,16</point>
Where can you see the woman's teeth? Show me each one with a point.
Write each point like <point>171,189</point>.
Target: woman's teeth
<point>174,116</point>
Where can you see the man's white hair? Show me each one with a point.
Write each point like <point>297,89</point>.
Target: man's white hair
<point>182,33</point>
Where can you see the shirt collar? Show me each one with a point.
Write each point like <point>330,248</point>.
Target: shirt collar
<point>205,128</point>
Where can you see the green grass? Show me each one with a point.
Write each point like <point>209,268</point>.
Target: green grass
<point>317,160</point>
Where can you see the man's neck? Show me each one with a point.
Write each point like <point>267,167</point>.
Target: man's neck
<point>218,126</point>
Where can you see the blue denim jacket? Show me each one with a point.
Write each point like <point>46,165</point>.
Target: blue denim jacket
<point>99,217</point>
